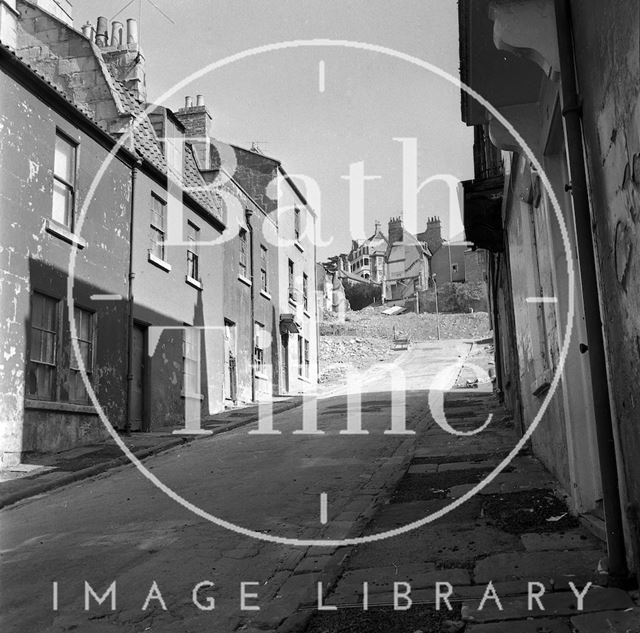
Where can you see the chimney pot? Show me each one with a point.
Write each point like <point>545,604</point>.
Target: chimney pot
<point>102,32</point>
<point>86,30</point>
<point>116,33</point>
<point>188,102</point>
<point>199,100</point>
<point>132,32</point>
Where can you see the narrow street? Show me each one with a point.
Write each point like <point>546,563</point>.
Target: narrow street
<point>118,526</point>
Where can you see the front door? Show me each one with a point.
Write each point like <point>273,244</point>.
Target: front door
<point>284,338</point>
<point>230,372</point>
<point>138,369</point>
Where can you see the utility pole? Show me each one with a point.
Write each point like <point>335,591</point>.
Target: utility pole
<point>435,286</point>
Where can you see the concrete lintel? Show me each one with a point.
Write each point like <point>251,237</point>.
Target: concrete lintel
<point>527,28</point>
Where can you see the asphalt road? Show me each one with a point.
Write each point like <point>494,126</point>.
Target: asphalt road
<point>120,527</point>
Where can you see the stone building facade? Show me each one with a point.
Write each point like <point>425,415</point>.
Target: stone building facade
<point>179,270</point>
<point>563,277</point>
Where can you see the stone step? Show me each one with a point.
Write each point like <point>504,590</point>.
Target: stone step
<point>555,605</point>
<point>523,626</point>
<point>537,566</point>
<point>571,540</point>
<point>627,621</point>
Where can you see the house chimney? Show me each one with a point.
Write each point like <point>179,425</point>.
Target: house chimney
<point>197,124</point>
<point>116,34</point>
<point>396,232</point>
<point>132,33</point>
<point>433,235</point>
<point>87,30</point>
<point>377,227</point>
<point>102,32</point>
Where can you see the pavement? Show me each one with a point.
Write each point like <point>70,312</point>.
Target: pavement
<point>119,527</point>
<point>41,473</point>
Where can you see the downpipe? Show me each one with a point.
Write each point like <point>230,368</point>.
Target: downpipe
<point>130,301</point>
<point>572,114</point>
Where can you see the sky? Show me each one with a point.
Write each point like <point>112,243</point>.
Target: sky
<point>276,98</point>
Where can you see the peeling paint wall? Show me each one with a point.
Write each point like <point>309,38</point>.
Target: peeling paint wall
<point>607,36</point>
<point>34,259</point>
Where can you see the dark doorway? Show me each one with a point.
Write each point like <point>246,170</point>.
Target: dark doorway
<point>138,391</point>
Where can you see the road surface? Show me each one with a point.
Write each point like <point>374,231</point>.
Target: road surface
<point>119,527</point>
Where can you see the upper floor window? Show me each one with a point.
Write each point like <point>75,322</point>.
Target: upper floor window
<point>305,291</point>
<point>64,181</point>
<point>243,252</point>
<point>264,280</point>
<point>296,224</point>
<point>158,227</point>
<point>291,274</point>
<point>193,237</point>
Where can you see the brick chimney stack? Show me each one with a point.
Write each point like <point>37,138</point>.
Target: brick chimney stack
<point>433,234</point>
<point>376,227</point>
<point>197,122</point>
<point>396,232</point>
<point>123,55</point>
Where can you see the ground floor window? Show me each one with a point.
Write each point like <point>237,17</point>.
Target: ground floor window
<point>307,362</point>
<point>43,354</point>
<point>191,361</point>
<point>259,348</point>
<point>84,338</point>
<point>54,370</point>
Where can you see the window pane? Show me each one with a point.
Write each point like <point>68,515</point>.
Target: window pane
<point>62,198</point>
<point>64,164</point>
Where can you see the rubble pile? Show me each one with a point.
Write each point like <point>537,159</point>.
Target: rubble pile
<point>366,336</point>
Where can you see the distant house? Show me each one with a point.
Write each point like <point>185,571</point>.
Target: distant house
<point>407,264</point>
<point>448,261</point>
<point>367,259</point>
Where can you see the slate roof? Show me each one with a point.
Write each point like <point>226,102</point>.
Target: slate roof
<point>148,146</point>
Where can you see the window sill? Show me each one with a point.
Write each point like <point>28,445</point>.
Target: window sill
<point>306,313</point>
<point>304,379</point>
<point>192,396</point>
<point>265,294</point>
<point>293,303</point>
<point>193,282</point>
<point>160,263</point>
<point>262,376</point>
<point>299,246</point>
<point>68,407</point>
<point>52,227</point>
<point>245,281</point>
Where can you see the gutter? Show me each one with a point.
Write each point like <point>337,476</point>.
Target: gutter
<point>572,114</point>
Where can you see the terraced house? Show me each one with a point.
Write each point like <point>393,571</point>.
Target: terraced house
<point>130,251</point>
